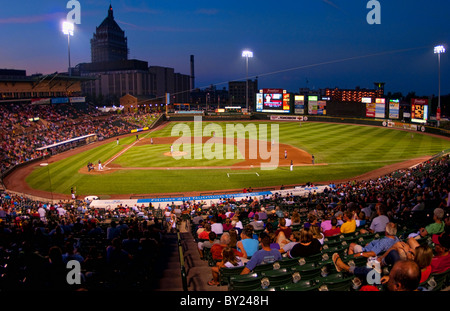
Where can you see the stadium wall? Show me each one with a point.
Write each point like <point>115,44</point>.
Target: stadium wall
<point>208,200</point>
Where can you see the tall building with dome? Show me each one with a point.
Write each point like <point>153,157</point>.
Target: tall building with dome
<point>109,42</point>
<point>112,75</point>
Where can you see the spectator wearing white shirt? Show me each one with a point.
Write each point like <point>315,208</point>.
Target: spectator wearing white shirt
<point>216,226</point>
<point>61,211</point>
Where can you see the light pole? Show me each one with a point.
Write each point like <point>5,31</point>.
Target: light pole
<point>246,54</point>
<point>439,50</point>
<point>67,29</point>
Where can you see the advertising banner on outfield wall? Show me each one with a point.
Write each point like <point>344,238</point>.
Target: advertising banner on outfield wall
<point>380,108</point>
<point>404,126</point>
<point>288,118</point>
<point>312,104</point>
<point>316,107</point>
<point>370,110</point>
<point>77,99</point>
<point>394,109</point>
<point>299,104</point>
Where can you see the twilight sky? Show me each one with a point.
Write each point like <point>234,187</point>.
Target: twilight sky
<point>296,44</point>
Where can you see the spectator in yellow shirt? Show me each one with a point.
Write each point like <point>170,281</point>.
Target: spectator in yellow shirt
<point>349,225</point>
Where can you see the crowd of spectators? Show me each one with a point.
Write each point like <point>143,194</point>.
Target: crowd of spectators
<point>406,213</point>
<point>116,249</point>
<point>24,128</point>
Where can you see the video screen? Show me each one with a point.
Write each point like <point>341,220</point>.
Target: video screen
<point>419,110</point>
<point>273,100</point>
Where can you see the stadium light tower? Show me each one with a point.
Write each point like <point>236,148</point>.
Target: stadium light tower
<point>246,54</point>
<point>67,29</point>
<point>439,49</point>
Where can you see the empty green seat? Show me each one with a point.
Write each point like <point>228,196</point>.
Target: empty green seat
<point>278,277</point>
<point>301,286</point>
<point>245,282</point>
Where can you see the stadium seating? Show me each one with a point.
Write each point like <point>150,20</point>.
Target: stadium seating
<point>301,274</point>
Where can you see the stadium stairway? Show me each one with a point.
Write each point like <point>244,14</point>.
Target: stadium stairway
<point>167,273</point>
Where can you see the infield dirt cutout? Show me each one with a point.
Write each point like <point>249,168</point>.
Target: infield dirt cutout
<point>297,156</point>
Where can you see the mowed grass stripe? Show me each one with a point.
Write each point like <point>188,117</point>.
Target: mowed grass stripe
<point>325,137</point>
<point>64,174</point>
<point>347,148</point>
<point>352,149</point>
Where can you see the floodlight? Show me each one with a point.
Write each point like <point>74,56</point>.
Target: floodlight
<point>68,28</point>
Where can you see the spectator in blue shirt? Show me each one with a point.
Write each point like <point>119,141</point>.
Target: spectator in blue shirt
<point>377,246</point>
<point>264,255</point>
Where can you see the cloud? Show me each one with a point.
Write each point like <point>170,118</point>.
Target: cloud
<point>33,19</point>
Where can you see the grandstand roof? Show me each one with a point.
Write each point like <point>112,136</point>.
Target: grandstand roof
<point>40,77</point>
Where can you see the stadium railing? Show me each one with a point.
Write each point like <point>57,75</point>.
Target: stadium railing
<point>184,282</point>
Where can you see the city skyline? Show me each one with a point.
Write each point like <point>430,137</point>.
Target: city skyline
<point>304,44</point>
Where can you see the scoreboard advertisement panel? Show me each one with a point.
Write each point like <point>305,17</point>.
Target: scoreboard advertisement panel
<point>380,108</point>
<point>273,100</point>
<point>321,107</point>
<point>394,108</point>
<point>370,110</point>
<point>299,104</point>
<point>419,110</point>
<point>312,104</point>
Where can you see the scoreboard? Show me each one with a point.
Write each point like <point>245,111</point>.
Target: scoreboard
<point>273,100</point>
<point>419,110</point>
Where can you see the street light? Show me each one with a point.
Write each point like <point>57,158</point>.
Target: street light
<point>67,29</point>
<point>439,50</point>
<point>246,54</point>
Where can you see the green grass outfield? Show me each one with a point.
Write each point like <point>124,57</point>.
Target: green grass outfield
<point>348,150</point>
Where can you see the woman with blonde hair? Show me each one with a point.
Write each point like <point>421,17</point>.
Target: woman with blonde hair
<point>295,218</point>
<point>317,234</point>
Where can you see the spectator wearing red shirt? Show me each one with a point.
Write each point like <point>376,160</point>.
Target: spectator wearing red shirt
<point>441,261</point>
<point>216,249</point>
<point>204,235</point>
<point>335,230</point>
<point>282,227</point>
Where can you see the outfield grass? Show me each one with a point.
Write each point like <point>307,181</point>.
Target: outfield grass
<point>349,150</point>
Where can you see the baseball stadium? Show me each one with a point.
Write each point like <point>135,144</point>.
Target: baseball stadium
<point>122,176</point>
<point>164,171</point>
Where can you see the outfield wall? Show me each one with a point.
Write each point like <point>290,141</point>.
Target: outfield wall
<point>364,121</point>
<point>208,200</point>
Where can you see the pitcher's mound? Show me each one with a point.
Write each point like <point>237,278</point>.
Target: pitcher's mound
<point>175,154</point>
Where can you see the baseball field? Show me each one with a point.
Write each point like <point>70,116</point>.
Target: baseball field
<point>210,158</point>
